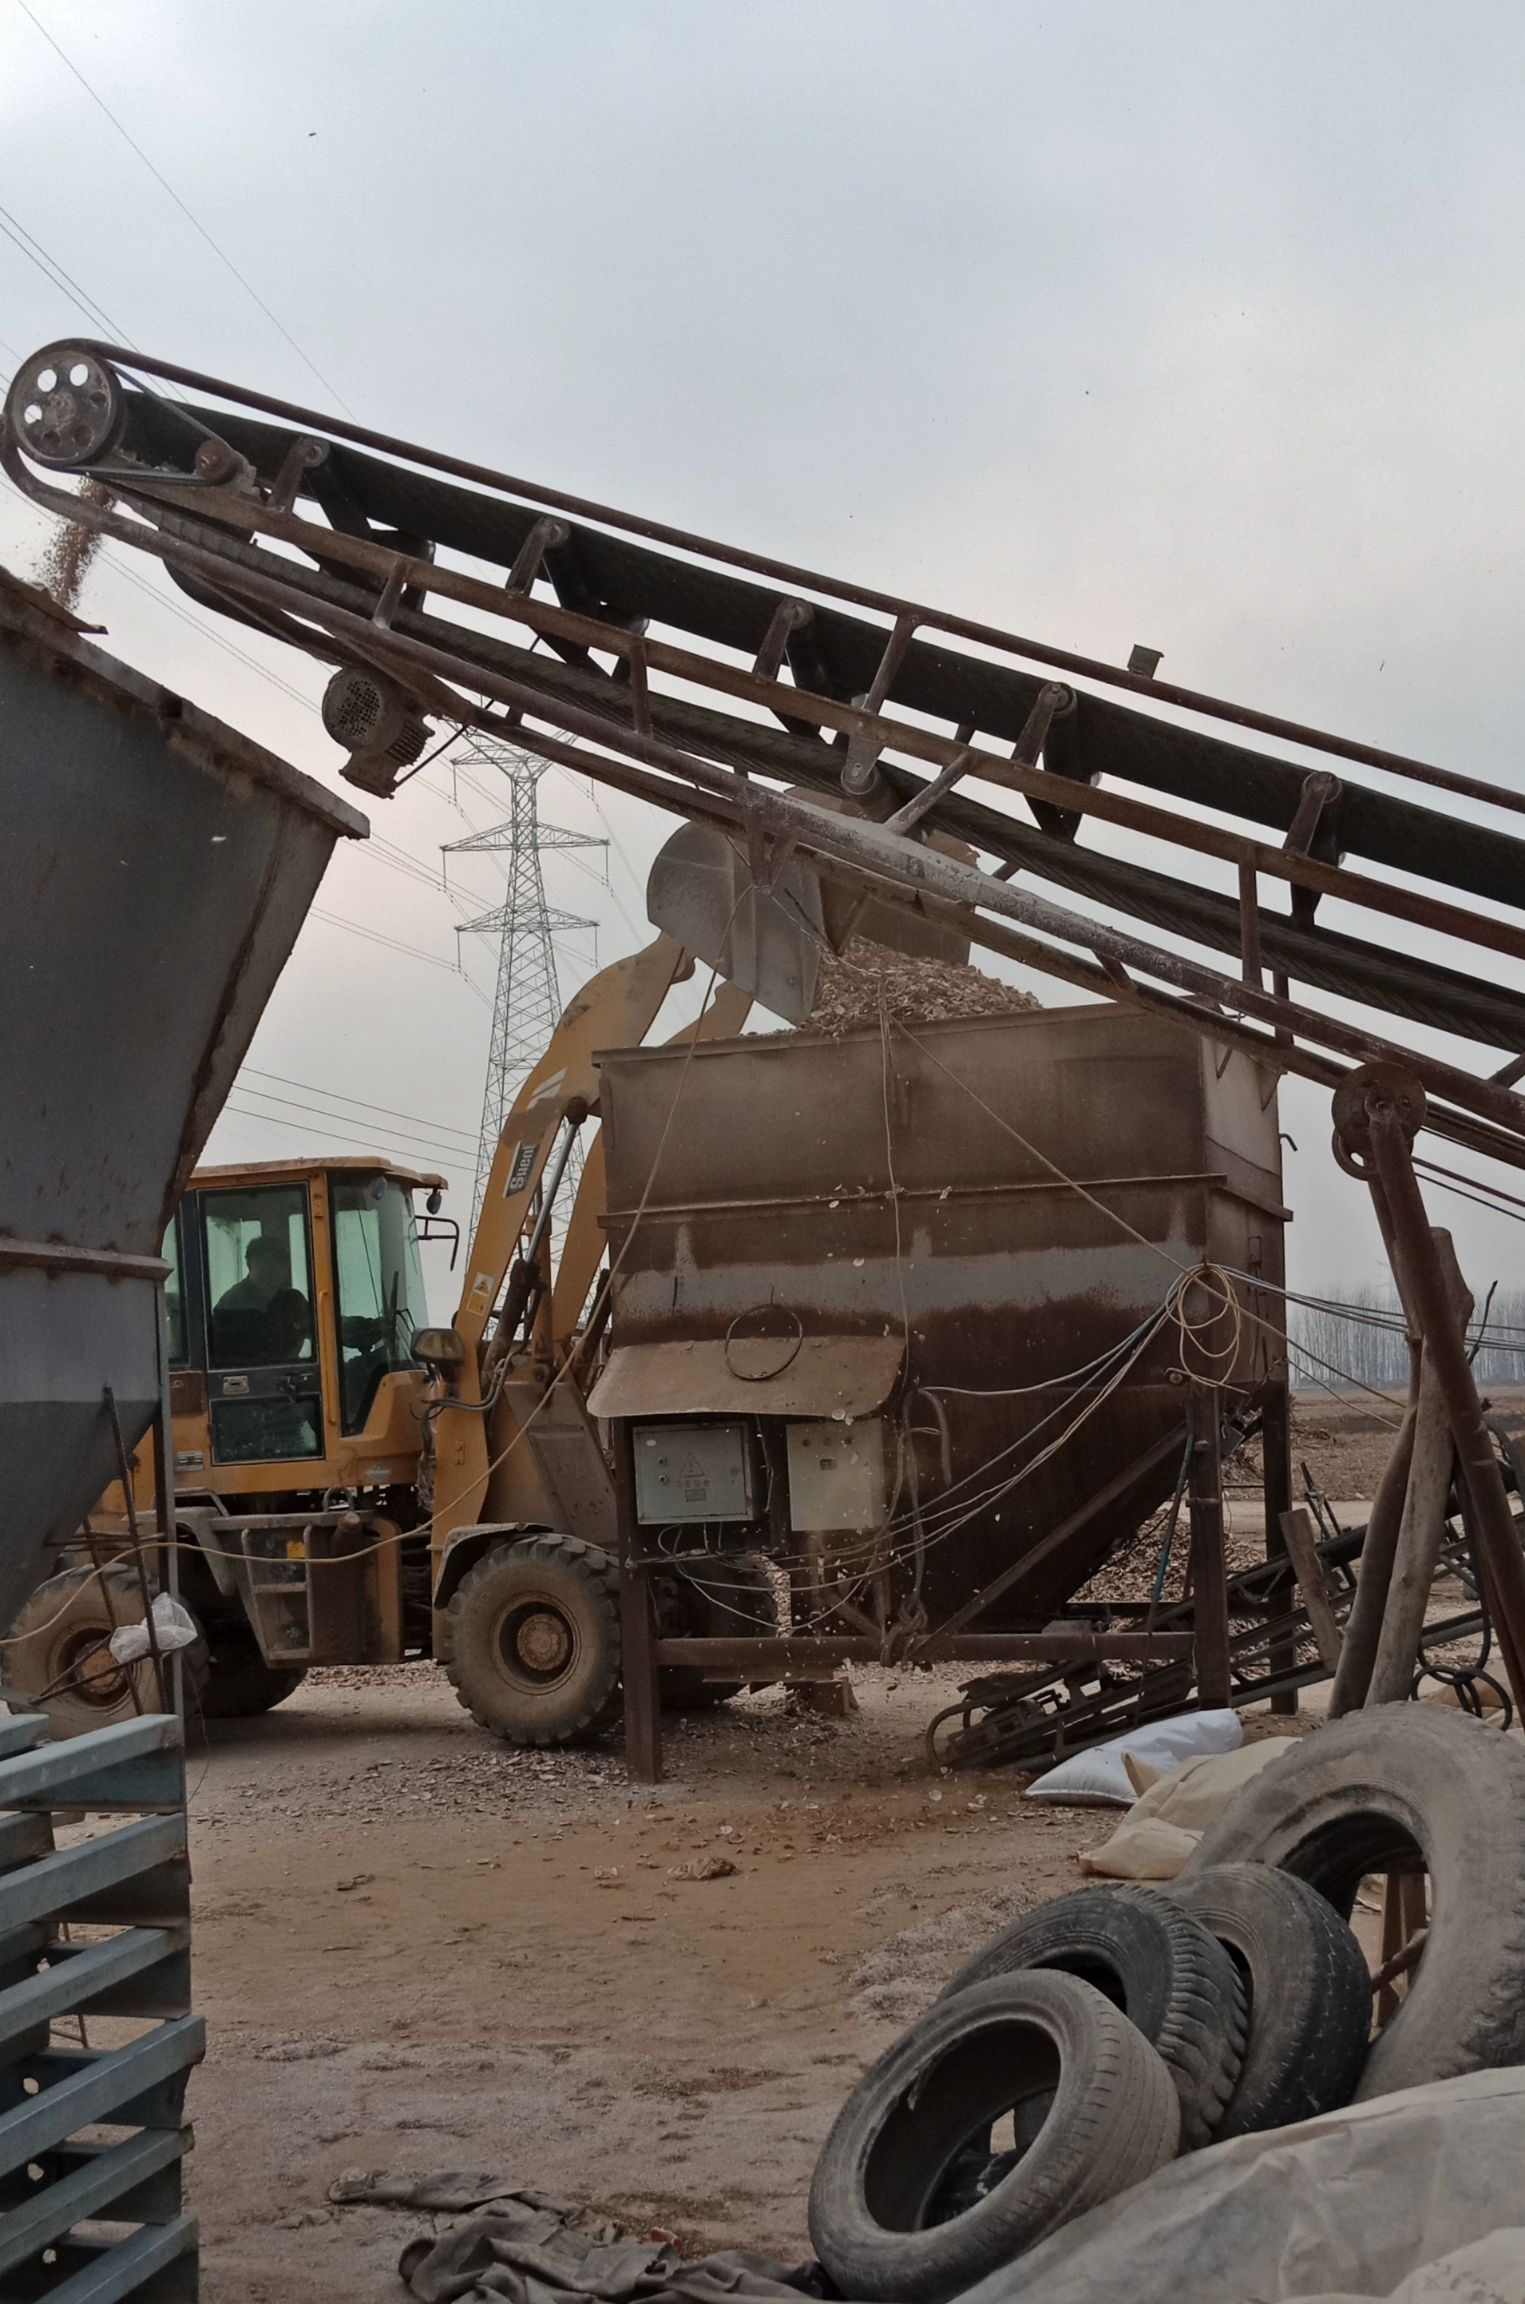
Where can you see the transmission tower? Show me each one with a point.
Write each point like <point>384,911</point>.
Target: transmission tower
<point>528,999</point>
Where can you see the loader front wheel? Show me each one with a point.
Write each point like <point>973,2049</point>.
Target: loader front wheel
<point>57,1660</point>
<point>532,1640</point>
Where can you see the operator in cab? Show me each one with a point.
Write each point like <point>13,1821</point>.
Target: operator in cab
<point>256,1319</point>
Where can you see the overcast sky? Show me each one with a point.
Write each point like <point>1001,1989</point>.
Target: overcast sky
<point>1198,325</point>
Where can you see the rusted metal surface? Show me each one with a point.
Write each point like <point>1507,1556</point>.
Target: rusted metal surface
<point>1208,1568</point>
<point>159,867</point>
<point>770,1658</point>
<point>887,693</point>
<point>741,1375</point>
<point>795,1163</point>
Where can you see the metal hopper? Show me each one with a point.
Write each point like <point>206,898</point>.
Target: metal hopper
<point>158,869</point>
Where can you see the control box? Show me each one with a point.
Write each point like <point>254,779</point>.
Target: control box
<point>693,1472</point>
<point>837,1475</point>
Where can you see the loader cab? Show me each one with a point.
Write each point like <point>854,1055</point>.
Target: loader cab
<point>295,1293</point>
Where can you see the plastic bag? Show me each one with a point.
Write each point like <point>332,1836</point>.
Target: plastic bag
<point>1098,1779</point>
<point>174,1626</point>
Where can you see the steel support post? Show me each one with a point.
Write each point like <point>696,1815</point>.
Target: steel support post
<point>1276,1456</point>
<point>1377,1114</point>
<point>1209,1573</point>
<point>164,1490</point>
<point>638,1652</point>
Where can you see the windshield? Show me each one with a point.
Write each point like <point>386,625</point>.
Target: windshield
<point>380,1285</point>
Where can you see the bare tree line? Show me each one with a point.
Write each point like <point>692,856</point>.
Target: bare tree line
<point>1359,1332</point>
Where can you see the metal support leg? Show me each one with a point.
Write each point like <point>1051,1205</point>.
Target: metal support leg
<point>638,1655</point>
<point>1209,1575</point>
<point>164,1492</point>
<point>1378,1110</point>
<point>1276,1454</point>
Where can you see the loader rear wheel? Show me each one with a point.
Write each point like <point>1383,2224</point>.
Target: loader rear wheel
<point>715,1599</point>
<point>58,1662</point>
<point>532,1640</point>
<point>240,1684</point>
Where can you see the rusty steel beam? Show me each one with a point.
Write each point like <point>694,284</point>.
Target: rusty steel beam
<point>795,578</point>
<point>638,1645</point>
<point>361,640</point>
<point>1377,1115</point>
<point>767,1659</point>
<point>923,870</point>
<point>1209,1572</point>
<point>222,490</point>
<point>868,729</point>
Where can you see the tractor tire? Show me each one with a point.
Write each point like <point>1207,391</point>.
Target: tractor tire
<point>240,1684</point>
<point>710,1600</point>
<point>879,2218</point>
<point>57,1662</point>
<point>532,1640</point>
<point>1152,1959</point>
<point>1405,1787</point>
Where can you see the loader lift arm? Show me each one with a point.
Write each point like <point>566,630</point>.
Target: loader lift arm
<point>615,1009</point>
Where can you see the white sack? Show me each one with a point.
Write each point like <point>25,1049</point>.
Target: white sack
<point>1098,1779</point>
<point>1350,2206</point>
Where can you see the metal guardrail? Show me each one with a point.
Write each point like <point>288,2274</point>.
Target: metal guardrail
<point>95,1932</point>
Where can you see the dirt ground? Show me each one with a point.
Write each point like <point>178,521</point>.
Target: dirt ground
<point>417,1950</point>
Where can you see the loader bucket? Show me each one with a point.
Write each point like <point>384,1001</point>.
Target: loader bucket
<point>701,890</point>
<point>158,868</point>
<point>769,940</point>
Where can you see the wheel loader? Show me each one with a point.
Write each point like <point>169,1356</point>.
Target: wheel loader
<point>354,1486</point>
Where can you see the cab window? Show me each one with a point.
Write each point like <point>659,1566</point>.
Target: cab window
<point>259,1276</point>
<point>379,1283</point>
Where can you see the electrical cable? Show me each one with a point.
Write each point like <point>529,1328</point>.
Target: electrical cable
<point>337,1135</point>
<point>111,555</point>
<point>253,1071</point>
<point>191,217</point>
<point>323,1112</point>
<point>54,272</point>
<point>393,943</point>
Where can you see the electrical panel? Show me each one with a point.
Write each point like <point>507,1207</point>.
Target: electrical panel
<point>837,1475</point>
<point>693,1472</point>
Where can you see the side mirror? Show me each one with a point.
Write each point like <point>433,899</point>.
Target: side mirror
<point>435,1201</point>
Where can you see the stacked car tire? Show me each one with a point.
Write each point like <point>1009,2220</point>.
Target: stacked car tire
<point>1097,2037</point>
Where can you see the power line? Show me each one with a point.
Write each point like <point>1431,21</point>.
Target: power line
<point>323,1112</point>
<point>189,213</point>
<point>379,851</point>
<point>360,1143</point>
<point>336,1096</point>
<point>200,624</point>
<point>395,944</point>
<point>53,272</point>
